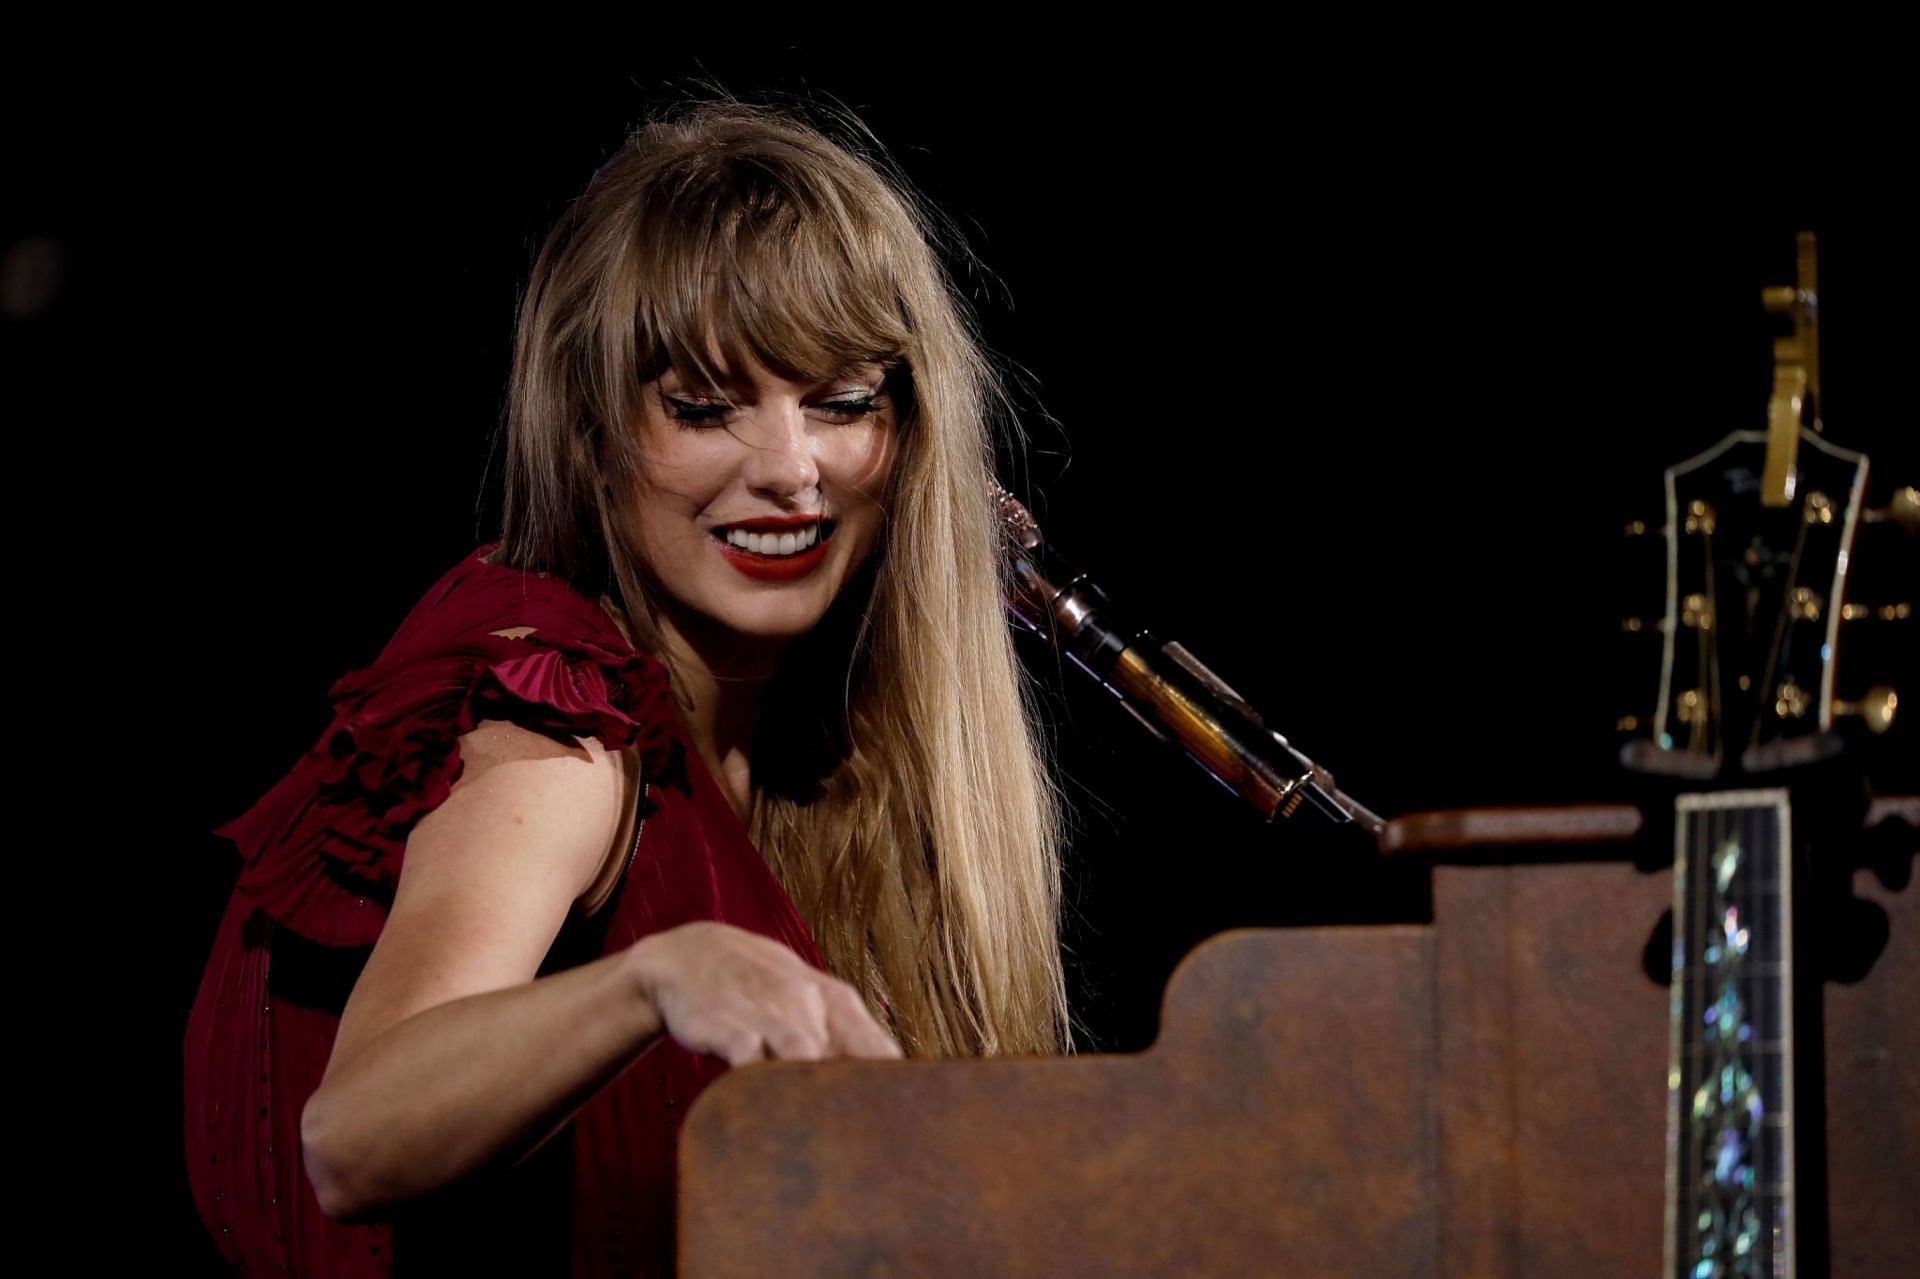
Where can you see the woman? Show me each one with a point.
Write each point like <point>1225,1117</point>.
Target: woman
<point>721,753</point>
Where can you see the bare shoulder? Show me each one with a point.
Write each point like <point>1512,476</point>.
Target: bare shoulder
<point>518,789</point>
<point>589,780</point>
<point>490,875</point>
<point>497,741</point>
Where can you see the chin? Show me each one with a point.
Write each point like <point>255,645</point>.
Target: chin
<point>771,628</point>
<point>771,620</point>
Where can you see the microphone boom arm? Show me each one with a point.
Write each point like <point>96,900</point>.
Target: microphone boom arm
<point>1163,686</point>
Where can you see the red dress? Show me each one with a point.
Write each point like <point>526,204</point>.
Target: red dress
<point>320,856</point>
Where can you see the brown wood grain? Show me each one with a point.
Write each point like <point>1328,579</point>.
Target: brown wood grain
<point>1873,1099</point>
<point>1553,1060</point>
<point>1493,830</point>
<point>1281,1124</point>
<point>1484,1097</point>
<point>1490,834</point>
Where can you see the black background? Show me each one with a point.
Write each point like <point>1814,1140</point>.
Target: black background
<point>1343,372</point>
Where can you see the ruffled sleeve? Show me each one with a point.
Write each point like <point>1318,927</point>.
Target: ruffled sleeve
<point>321,852</point>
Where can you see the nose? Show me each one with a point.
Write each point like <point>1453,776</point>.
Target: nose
<point>780,465</point>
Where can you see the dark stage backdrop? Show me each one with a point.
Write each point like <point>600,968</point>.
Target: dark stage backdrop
<point>1347,384</point>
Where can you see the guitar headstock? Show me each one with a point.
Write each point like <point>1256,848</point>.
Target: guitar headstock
<point>1763,548</point>
<point>1756,599</point>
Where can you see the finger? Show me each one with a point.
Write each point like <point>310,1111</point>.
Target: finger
<point>798,1042</point>
<point>793,1015</point>
<point>854,1030</point>
<point>738,1046</point>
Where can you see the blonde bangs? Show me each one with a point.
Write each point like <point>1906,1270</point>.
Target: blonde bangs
<point>766,259</point>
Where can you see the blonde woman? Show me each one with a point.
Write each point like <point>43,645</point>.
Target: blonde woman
<point>720,753</point>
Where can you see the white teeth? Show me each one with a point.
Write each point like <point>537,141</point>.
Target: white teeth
<point>774,543</point>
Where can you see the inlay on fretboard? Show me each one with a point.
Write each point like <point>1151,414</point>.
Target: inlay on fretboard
<point>1730,1146</point>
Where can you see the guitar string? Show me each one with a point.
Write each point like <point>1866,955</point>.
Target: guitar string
<point>1779,631</point>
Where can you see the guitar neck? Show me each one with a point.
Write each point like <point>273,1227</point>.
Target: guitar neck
<point>1730,1109</point>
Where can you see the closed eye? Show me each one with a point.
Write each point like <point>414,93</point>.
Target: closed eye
<point>696,413</point>
<point>847,409</point>
<point>856,408</point>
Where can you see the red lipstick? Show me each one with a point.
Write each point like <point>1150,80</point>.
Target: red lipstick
<point>775,568</point>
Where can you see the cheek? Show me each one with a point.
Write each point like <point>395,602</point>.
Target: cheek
<point>864,468</point>
<point>681,472</point>
<point>863,462</point>
<point>665,502</point>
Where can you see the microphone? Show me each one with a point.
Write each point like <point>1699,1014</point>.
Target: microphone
<point>1163,686</point>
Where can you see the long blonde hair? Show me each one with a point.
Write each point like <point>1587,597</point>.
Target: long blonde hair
<point>906,807</point>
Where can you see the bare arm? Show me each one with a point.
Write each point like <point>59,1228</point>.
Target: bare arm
<point>450,1058</point>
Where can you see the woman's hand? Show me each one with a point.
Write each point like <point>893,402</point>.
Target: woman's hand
<point>744,997</point>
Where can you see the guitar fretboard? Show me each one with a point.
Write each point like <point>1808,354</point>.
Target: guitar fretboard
<point>1730,1074</point>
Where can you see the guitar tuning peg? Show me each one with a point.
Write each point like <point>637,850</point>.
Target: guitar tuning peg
<point>1785,299</point>
<point>1903,511</point>
<point>1805,604</point>
<point>1881,613</point>
<point>1875,709</point>
<point>1790,701</point>
<point>1693,708</point>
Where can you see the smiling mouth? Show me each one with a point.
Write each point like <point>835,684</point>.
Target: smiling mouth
<point>773,543</point>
